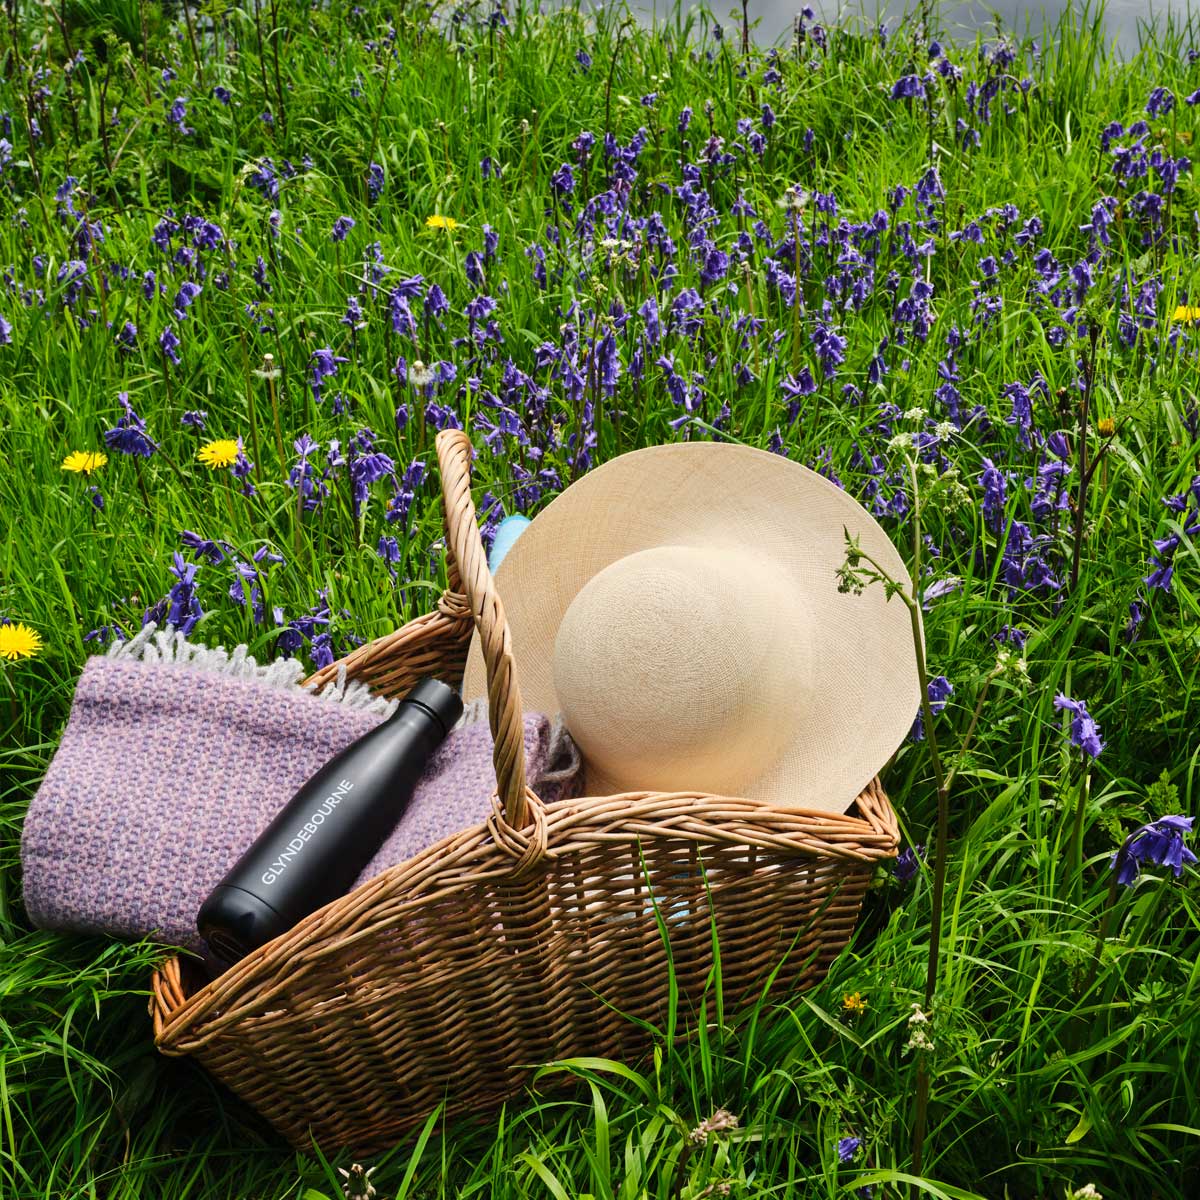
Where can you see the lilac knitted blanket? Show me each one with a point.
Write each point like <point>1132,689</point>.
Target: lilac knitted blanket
<point>176,757</point>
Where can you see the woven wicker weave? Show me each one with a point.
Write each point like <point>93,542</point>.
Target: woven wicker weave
<point>532,938</point>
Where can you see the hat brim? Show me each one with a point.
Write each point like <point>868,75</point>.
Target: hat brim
<point>865,686</point>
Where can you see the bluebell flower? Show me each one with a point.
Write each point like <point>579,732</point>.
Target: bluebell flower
<point>168,342</point>
<point>177,116</point>
<point>194,419</point>
<point>324,365</point>
<point>1159,842</point>
<point>939,588</point>
<point>1013,635</point>
<point>1137,614</point>
<point>908,87</point>
<point>264,179</point>
<point>202,547</point>
<point>354,313</point>
<point>940,690</point>
<point>584,59</point>
<point>1085,733</point>
<point>188,291</point>
<point>994,495</point>
<point>1161,101</point>
<point>473,268</point>
<point>5,331</point>
<point>106,633</point>
<point>129,435</point>
<point>389,550</point>
<point>908,863</point>
<point>562,182</point>
<point>241,469</point>
<point>222,94</point>
<point>180,607</point>
<point>375,181</point>
<point>847,1148</point>
<point>341,227</point>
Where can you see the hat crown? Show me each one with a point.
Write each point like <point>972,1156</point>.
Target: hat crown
<point>683,667</point>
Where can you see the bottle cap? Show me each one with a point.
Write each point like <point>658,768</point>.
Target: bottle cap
<point>438,699</point>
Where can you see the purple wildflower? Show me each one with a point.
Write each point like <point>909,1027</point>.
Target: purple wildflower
<point>939,588</point>
<point>847,1148</point>
<point>1085,733</point>
<point>180,608</point>
<point>129,434</point>
<point>1161,101</point>
<point>184,299</point>
<point>1159,842</point>
<point>177,116</point>
<point>940,691</point>
<point>908,863</point>
<point>375,181</point>
<point>169,343</point>
<point>341,227</point>
<point>324,365</point>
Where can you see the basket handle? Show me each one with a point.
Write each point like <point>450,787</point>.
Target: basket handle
<point>468,560</point>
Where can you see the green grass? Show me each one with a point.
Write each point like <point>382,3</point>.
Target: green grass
<point>1047,1075</point>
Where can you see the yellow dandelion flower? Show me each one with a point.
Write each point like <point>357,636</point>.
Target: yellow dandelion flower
<point>440,222</point>
<point>1184,313</point>
<point>18,641</point>
<point>84,462</point>
<point>1106,427</point>
<point>221,453</point>
<point>853,1003</point>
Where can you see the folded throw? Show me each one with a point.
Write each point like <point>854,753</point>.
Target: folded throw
<point>176,756</point>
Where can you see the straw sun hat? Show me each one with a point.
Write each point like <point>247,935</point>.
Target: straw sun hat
<point>679,606</point>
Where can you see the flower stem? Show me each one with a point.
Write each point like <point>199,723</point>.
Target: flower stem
<point>275,411</point>
<point>1106,919</point>
<point>1077,837</point>
<point>923,1082</point>
<point>1089,375</point>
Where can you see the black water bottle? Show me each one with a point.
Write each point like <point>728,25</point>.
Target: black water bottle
<point>319,843</point>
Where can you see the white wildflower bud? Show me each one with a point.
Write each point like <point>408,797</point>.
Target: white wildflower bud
<point>901,441</point>
<point>919,1041</point>
<point>720,1122</point>
<point>945,430</point>
<point>1087,1192</point>
<point>1007,663</point>
<point>914,414</point>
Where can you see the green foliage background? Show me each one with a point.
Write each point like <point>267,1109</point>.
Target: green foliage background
<point>1046,1077</point>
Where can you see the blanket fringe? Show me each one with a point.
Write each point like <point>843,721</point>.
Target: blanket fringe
<point>154,645</point>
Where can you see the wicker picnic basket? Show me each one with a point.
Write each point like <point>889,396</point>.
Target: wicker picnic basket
<point>534,937</point>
